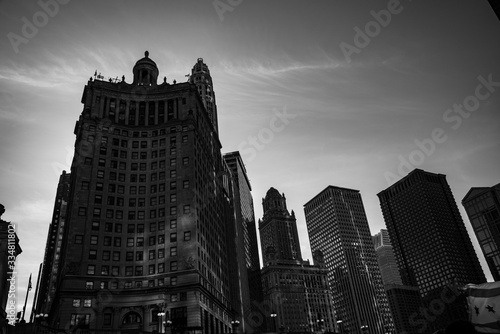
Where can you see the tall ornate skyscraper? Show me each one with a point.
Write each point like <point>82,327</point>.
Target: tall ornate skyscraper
<point>145,240</point>
<point>337,226</point>
<point>297,296</point>
<point>278,228</point>
<point>482,205</point>
<point>432,247</point>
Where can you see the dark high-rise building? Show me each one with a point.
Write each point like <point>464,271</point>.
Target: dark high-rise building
<point>337,226</point>
<point>278,228</point>
<point>482,205</point>
<point>297,297</point>
<point>432,247</point>
<point>145,239</point>
<point>51,261</point>
<point>246,246</point>
<point>9,250</point>
<point>386,259</point>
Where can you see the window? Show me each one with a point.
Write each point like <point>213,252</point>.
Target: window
<point>76,302</point>
<point>82,211</point>
<point>185,161</point>
<point>173,251</point>
<point>118,242</point>
<point>173,223</point>
<point>152,241</point>
<point>111,188</point>
<point>161,253</point>
<point>115,271</point>
<point>151,269</point>
<point>131,228</point>
<point>78,239</point>
<point>185,184</point>
<point>99,186</point>
<point>107,241</point>
<point>161,268</point>
<point>173,280</point>
<point>89,285</point>
<point>107,319</point>
<point>161,239</point>
<point>139,256</point>
<point>138,271</point>
<point>161,226</point>
<point>152,227</point>
<point>85,185</point>
<point>108,227</point>
<point>118,227</point>
<point>105,270</point>
<point>173,173</point>
<point>90,269</point>
<point>187,236</point>
<point>187,209</point>
<point>152,254</point>
<point>173,198</point>
<point>173,162</point>
<point>82,320</point>
<point>100,174</point>
<point>173,237</point>
<point>130,242</point>
<point>93,239</point>
<point>106,255</point>
<point>128,271</point>
<point>129,256</point>
<point>140,242</point>
<point>97,212</point>
<point>173,210</point>
<point>173,266</point>
<point>173,185</point>
<point>173,297</point>
<point>116,256</point>
<point>140,228</point>
<point>104,285</point>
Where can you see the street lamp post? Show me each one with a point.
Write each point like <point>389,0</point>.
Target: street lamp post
<point>168,323</point>
<point>364,329</point>
<point>273,316</point>
<point>320,324</point>
<point>339,324</point>
<point>234,325</point>
<point>160,321</point>
<point>39,318</point>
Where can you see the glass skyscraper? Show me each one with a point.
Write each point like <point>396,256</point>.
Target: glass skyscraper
<point>337,226</point>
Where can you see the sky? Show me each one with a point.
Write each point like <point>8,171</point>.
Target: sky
<point>346,93</point>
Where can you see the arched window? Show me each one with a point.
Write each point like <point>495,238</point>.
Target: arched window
<point>132,318</point>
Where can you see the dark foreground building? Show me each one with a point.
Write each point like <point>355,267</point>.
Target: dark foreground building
<point>482,205</point>
<point>146,238</point>
<point>432,247</point>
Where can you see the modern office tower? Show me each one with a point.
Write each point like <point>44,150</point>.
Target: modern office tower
<point>386,259</point>
<point>51,261</point>
<point>337,225</point>
<point>482,205</point>
<point>247,248</point>
<point>431,244</point>
<point>145,238</point>
<point>9,250</point>
<point>297,297</point>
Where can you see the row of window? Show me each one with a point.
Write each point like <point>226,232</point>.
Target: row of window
<point>89,285</point>
<point>133,228</point>
<point>136,134</point>
<point>134,190</point>
<point>129,270</point>
<point>138,241</point>
<point>133,215</point>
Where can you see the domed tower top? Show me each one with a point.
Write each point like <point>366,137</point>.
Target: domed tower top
<point>274,202</point>
<point>145,71</point>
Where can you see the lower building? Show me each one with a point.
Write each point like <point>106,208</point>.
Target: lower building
<point>405,304</point>
<point>298,296</point>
